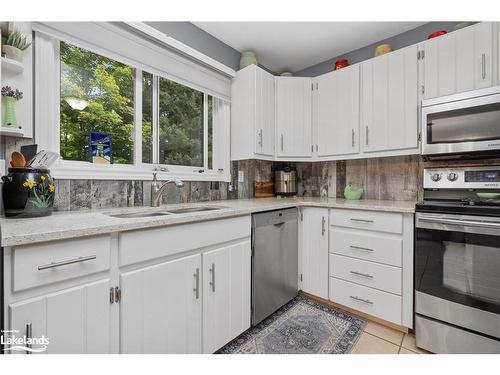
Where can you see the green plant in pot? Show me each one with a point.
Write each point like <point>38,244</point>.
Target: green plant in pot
<point>14,45</point>
<point>10,96</point>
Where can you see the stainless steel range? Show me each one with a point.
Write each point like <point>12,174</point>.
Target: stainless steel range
<point>457,261</point>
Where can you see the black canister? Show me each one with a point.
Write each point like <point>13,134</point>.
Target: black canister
<point>28,192</point>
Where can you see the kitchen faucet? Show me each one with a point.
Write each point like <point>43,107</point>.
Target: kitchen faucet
<point>157,189</point>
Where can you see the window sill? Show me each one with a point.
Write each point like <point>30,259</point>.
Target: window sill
<point>87,171</point>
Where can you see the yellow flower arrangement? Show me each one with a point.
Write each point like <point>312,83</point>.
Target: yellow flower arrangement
<point>42,178</point>
<point>29,183</point>
<point>52,188</point>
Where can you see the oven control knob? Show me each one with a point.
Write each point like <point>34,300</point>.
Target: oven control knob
<point>435,177</point>
<point>452,176</point>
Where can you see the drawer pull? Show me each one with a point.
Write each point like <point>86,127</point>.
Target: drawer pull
<point>362,220</point>
<point>66,262</point>
<point>362,274</point>
<point>356,298</point>
<point>196,289</point>
<point>360,248</point>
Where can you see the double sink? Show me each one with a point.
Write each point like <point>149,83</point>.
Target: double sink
<point>173,211</point>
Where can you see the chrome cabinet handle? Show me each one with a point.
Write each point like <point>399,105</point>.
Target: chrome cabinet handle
<point>260,138</point>
<point>29,334</point>
<point>111,295</point>
<point>361,274</point>
<point>367,131</point>
<point>212,283</point>
<point>66,262</point>
<point>196,289</point>
<point>323,229</point>
<point>352,137</point>
<point>360,248</point>
<point>361,220</point>
<point>483,65</point>
<point>281,141</point>
<point>356,298</point>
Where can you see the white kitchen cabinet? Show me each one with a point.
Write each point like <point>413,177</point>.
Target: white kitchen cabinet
<point>75,320</point>
<point>460,61</point>
<point>337,115</point>
<point>226,294</point>
<point>314,251</point>
<point>293,117</point>
<point>389,102</point>
<point>161,308</point>
<point>252,114</point>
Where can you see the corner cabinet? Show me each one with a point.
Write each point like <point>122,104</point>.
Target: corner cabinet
<point>460,61</point>
<point>252,114</point>
<point>389,102</point>
<point>293,117</point>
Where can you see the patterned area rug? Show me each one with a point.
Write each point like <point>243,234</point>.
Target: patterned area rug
<point>302,326</point>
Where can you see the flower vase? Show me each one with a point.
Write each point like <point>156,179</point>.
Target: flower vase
<point>10,113</point>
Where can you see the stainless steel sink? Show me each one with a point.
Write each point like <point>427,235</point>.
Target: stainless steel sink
<point>186,210</point>
<point>132,215</point>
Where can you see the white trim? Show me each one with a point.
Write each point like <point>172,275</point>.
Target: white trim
<point>181,47</point>
<point>138,117</point>
<point>205,132</point>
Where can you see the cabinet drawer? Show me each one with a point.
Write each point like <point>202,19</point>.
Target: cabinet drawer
<point>46,263</point>
<point>381,248</point>
<point>368,300</point>
<point>370,220</point>
<point>375,275</point>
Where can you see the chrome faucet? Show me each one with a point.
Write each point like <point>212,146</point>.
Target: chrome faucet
<point>157,189</point>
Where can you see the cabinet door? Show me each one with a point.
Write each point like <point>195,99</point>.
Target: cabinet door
<point>389,103</point>
<point>264,113</point>
<point>161,308</point>
<point>314,250</point>
<point>75,320</point>
<point>293,116</point>
<point>338,112</point>
<point>459,61</point>
<point>226,297</point>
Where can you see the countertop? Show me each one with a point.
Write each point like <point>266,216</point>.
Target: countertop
<point>66,225</point>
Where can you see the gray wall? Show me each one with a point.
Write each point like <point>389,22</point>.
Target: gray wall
<point>398,41</point>
<point>200,40</point>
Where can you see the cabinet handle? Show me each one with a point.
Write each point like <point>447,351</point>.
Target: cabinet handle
<point>111,295</point>
<point>360,248</point>
<point>66,262</point>
<point>260,138</point>
<point>118,294</point>
<point>212,283</point>
<point>361,274</point>
<point>281,142</point>
<point>367,131</point>
<point>483,65</point>
<point>323,226</point>
<point>352,137</point>
<point>29,334</point>
<point>361,220</point>
<point>196,289</point>
<point>356,298</point>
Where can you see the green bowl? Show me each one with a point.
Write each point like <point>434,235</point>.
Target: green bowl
<point>353,194</point>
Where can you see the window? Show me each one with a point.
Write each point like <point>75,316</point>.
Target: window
<point>97,96</point>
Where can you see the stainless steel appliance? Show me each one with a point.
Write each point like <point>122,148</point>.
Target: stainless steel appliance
<point>274,261</point>
<point>457,261</point>
<point>463,123</point>
<point>285,182</point>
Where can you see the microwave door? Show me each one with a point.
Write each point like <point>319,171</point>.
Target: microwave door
<point>463,126</point>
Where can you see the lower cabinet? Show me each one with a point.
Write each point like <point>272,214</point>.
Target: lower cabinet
<point>160,309</point>
<point>314,251</point>
<point>74,320</point>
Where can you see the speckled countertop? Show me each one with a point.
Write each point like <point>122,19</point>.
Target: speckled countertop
<point>87,223</point>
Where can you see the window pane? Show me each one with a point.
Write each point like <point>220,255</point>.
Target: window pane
<point>147,117</point>
<point>181,125</point>
<point>210,130</point>
<point>97,95</point>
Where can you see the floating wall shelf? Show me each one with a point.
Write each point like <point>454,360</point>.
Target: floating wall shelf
<point>12,65</point>
<point>11,132</point>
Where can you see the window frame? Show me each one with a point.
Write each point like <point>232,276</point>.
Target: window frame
<point>72,169</point>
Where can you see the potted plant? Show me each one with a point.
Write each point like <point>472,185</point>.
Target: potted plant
<point>10,113</point>
<point>14,45</point>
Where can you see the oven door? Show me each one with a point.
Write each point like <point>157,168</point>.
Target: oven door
<point>461,124</point>
<point>457,270</point>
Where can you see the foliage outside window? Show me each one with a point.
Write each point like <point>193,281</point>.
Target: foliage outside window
<point>97,95</point>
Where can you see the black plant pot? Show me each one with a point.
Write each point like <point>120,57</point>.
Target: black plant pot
<point>28,192</point>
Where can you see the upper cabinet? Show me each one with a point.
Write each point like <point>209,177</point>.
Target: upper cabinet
<point>252,114</point>
<point>337,112</point>
<point>389,101</point>
<point>460,61</point>
<point>293,117</point>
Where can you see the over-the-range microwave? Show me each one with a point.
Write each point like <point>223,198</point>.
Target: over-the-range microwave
<point>462,123</point>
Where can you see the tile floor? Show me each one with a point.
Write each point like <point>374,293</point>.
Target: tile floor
<point>378,339</point>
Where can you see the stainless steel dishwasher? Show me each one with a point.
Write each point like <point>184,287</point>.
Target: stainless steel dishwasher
<point>274,261</point>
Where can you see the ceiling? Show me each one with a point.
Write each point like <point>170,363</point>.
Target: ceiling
<point>292,46</point>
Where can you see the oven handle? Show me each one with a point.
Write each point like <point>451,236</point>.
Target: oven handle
<point>462,223</point>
